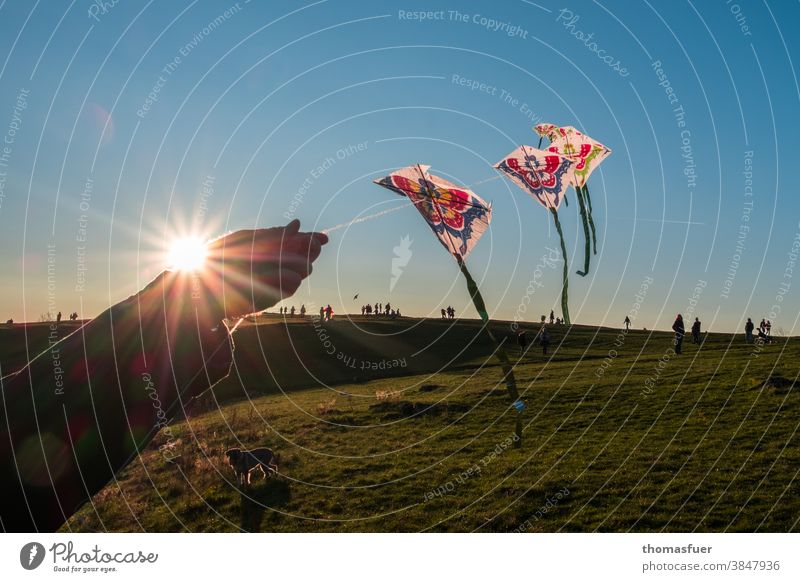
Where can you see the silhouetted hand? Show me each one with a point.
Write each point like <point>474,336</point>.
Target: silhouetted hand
<point>250,270</point>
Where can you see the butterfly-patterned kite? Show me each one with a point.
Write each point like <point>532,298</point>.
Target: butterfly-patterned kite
<point>587,154</point>
<point>458,218</point>
<point>546,177</point>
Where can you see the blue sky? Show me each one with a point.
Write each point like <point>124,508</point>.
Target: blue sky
<point>291,109</point>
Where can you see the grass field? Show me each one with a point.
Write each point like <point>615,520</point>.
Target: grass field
<point>620,435</point>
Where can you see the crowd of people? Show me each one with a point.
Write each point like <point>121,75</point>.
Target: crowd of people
<point>292,312</point>
<point>380,309</point>
<point>764,333</point>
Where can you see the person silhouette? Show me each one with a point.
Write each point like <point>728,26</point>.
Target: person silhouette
<point>696,331</point>
<point>748,331</point>
<point>303,310</point>
<point>58,317</point>
<point>627,323</point>
<point>679,330</point>
<point>171,343</point>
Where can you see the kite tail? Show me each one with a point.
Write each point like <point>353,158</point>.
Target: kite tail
<point>505,364</point>
<point>591,220</point>
<point>540,142</point>
<point>586,235</point>
<point>565,276</point>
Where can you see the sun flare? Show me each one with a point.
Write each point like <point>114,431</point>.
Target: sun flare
<point>187,254</point>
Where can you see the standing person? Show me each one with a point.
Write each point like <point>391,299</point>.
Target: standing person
<point>321,312</point>
<point>291,311</point>
<point>544,339</point>
<point>627,323</point>
<point>62,447</point>
<point>58,317</point>
<point>679,330</point>
<point>522,339</point>
<point>328,312</point>
<point>696,331</point>
<point>388,308</point>
<point>748,331</point>
<point>303,310</point>
<point>552,317</point>
<point>769,327</point>
<point>762,327</point>
<point>444,313</point>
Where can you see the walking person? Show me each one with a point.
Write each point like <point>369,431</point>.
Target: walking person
<point>748,331</point>
<point>696,331</point>
<point>680,331</point>
<point>627,323</point>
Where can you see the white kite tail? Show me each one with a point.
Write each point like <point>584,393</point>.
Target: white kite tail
<point>365,218</point>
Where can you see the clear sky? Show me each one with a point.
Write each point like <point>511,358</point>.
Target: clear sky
<point>127,124</point>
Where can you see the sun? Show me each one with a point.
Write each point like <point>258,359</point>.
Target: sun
<point>187,254</point>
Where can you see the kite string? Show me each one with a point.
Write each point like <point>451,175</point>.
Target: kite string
<point>497,177</point>
<point>365,218</point>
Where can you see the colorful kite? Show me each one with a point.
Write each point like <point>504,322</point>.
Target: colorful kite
<point>458,218</point>
<point>546,177</point>
<point>587,154</point>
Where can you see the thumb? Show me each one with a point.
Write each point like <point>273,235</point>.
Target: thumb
<point>292,228</point>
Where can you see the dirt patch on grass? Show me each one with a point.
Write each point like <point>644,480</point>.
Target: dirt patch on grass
<point>406,409</point>
<point>780,385</point>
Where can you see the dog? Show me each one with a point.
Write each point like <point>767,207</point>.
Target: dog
<point>245,462</point>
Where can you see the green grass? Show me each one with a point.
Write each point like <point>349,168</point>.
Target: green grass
<point>713,447</point>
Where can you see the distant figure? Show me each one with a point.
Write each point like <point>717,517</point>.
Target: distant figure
<point>388,308</point>
<point>696,331</point>
<point>291,311</point>
<point>380,307</point>
<point>321,312</point>
<point>552,317</point>
<point>679,330</point>
<point>444,313</point>
<point>627,323</point>
<point>58,317</point>
<point>303,310</point>
<point>544,339</point>
<point>377,309</point>
<point>762,327</point>
<point>558,321</point>
<point>522,339</point>
<point>748,331</point>
<point>451,312</point>
<point>328,313</point>
<point>398,313</point>
<point>768,327</point>
<point>392,314</point>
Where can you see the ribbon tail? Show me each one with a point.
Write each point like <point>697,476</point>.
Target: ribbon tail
<point>587,237</point>
<point>505,364</point>
<point>565,276</point>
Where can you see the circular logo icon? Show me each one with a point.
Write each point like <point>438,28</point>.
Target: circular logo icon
<point>31,555</point>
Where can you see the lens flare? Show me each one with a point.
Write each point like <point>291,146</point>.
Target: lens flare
<point>187,254</point>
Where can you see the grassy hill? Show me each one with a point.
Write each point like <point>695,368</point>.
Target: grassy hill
<point>620,435</point>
